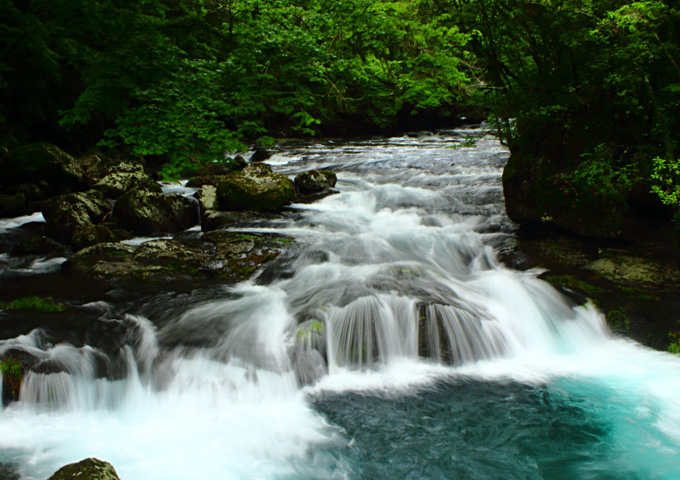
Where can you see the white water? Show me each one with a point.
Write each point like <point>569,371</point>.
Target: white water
<point>390,281</point>
<point>9,223</point>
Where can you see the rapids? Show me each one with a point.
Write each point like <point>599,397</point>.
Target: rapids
<point>388,342</point>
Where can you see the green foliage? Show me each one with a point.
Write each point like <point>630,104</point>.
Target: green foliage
<point>11,367</point>
<point>12,373</point>
<point>188,80</point>
<point>35,303</point>
<point>599,177</point>
<point>666,177</point>
<point>572,282</point>
<point>308,327</point>
<point>575,75</point>
<point>470,141</point>
<point>618,319</point>
<point>674,346</point>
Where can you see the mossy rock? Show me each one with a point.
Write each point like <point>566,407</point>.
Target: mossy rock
<point>44,161</point>
<point>93,203</point>
<point>314,181</point>
<point>107,255</point>
<point>201,180</point>
<point>12,378</point>
<point>630,270</point>
<point>255,188</point>
<point>67,213</point>
<point>35,192</point>
<point>88,235</point>
<point>207,198</point>
<point>144,212</point>
<point>116,184</point>
<point>88,469</point>
<point>166,253</point>
<point>228,256</point>
<point>95,167</point>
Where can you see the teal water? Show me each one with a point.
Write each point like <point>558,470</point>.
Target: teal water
<point>468,429</point>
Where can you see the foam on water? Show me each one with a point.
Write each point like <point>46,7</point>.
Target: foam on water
<point>389,288</point>
<point>9,223</point>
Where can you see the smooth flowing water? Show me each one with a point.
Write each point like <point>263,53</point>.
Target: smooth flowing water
<point>388,342</point>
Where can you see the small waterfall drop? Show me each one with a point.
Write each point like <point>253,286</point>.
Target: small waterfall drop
<point>386,338</point>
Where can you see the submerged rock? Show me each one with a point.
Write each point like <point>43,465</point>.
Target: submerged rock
<point>88,469</point>
<point>636,286</point>
<point>144,212</point>
<point>454,335</point>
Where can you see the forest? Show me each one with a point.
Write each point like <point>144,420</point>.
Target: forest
<point>322,239</point>
<point>585,93</point>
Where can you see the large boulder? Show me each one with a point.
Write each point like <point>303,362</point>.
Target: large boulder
<point>207,198</point>
<point>88,469</point>
<point>92,202</point>
<point>103,260</point>
<point>43,161</point>
<point>314,181</point>
<point>95,167</point>
<point>124,177</point>
<point>256,187</point>
<point>537,191</point>
<point>66,213</point>
<point>144,212</point>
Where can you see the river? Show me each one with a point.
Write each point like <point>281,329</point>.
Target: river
<point>387,342</point>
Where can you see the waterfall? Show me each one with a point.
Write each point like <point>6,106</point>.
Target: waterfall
<point>366,348</point>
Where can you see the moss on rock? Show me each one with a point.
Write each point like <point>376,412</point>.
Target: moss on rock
<point>632,270</point>
<point>144,212</point>
<point>225,255</point>
<point>116,184</point>
<point>88,235</point>
<point>314,181</point>
<point>88,469</point>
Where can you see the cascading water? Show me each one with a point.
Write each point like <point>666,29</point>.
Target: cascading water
<point>387,343</point>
